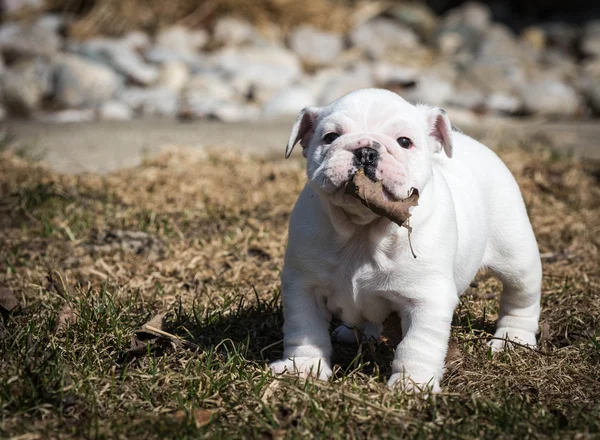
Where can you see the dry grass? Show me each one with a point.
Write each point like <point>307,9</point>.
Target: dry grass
<point>200,238</point>
<point>115,17</point>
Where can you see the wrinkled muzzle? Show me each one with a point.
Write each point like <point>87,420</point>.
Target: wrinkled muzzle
<point>343,159</point>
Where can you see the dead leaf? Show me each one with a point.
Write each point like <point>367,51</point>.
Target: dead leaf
<point>201,417</point>
<point>454,356</point>
<point>544,332</point>
<point>8,300</point>
<point>371,195</point>
<point>152,336</point>
<point>277,434</point>
<point>156,323</point>
<point>66,316</point>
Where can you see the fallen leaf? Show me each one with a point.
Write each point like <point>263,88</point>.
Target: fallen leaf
<point>371,195</point>
<point>544,332</point>
<point>277,434</point>
<point>8,300</point>
<point>66,316</point>
<point>152,336</point>
<point>180,416</point>
<point>454,356</point>
<point>156,323</point>
<point>201,417</point>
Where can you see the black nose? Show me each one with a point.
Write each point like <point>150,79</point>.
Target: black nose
<point>366,157</point>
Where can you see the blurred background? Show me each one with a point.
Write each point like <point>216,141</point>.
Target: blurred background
<point>241,61</point>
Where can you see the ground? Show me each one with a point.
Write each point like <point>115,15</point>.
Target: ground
<point>148,307</point>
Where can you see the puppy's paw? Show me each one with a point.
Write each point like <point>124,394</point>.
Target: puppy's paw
<point>303,367</point>
<point>401,382</point>
<point>504,336</point>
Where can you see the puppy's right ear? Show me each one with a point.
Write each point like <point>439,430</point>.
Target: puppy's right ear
<point>302,130</point>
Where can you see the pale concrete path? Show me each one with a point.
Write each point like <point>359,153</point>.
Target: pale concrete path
<point>106,146</point>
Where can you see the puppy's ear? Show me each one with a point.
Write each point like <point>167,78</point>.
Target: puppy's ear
<point>440,128</point>
<point>303,129</point>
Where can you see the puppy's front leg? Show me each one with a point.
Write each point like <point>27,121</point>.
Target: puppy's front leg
<point>306,340</point>
<point>419,360</point>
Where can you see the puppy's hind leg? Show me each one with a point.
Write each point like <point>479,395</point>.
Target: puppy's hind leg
<point>516,262</point>
<point>347,334</point>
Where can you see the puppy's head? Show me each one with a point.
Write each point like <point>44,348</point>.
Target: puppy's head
<point>394,141</point>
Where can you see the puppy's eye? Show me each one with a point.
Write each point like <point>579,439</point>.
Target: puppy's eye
<point>330,137</point>
<point>404,142</point>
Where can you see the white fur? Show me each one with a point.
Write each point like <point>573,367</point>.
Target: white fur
<point>343,260</point>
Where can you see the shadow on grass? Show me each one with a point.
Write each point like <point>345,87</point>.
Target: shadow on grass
<point>255,331</point>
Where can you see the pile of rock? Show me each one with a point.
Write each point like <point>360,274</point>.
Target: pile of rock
<point>234,72</point>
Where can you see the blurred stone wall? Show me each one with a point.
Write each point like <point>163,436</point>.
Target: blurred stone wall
<point>234,70</point>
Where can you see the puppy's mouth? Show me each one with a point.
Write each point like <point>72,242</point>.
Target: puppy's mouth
<point>371,174</point>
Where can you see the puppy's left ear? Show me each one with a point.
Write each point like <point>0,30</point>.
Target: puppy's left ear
<point>440,128</point>
<point>302,130</point>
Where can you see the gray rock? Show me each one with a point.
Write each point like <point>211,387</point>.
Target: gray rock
<point>418,16</point>
<point>462,28</point>
<point>336,84</point>
<point>591,69</point>
<point>20,41</point>
<point>466,95</point>
<point>159,55</point>
<point>434,86</point>
<point>593,95</point>
<point>234,112</point>
<point>231,31</point>
<point>122,57</point>
<point>67,116</point>
<point>180,38</point>
<point>205,94</point>
<point>174,75</point>
<point>82,83</point>
<point>492,77</point>
<point>316,47</point>
<point>289,101</point>
<point>590,43</point>
<point>551,97</point>
<point>380,37</point>
<point>2,113</point>
<point>178,43</point>
<point>53,23</point>
<point>114,111</point>
<point>25,85</point>
<point>258,71</point>
<point>559,64</point>
<point>131,64</point>
<point>504,103</point>
<point>461,117</point>
<point>500,46</point>
<point>136,40</point>
<point>390,75</point>
<point>13,6</point>
<point>213,83</point>
<point>562,36</point>
<point>153,101</point>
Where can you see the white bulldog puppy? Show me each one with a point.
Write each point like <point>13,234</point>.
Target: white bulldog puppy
<point>344,260</point>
